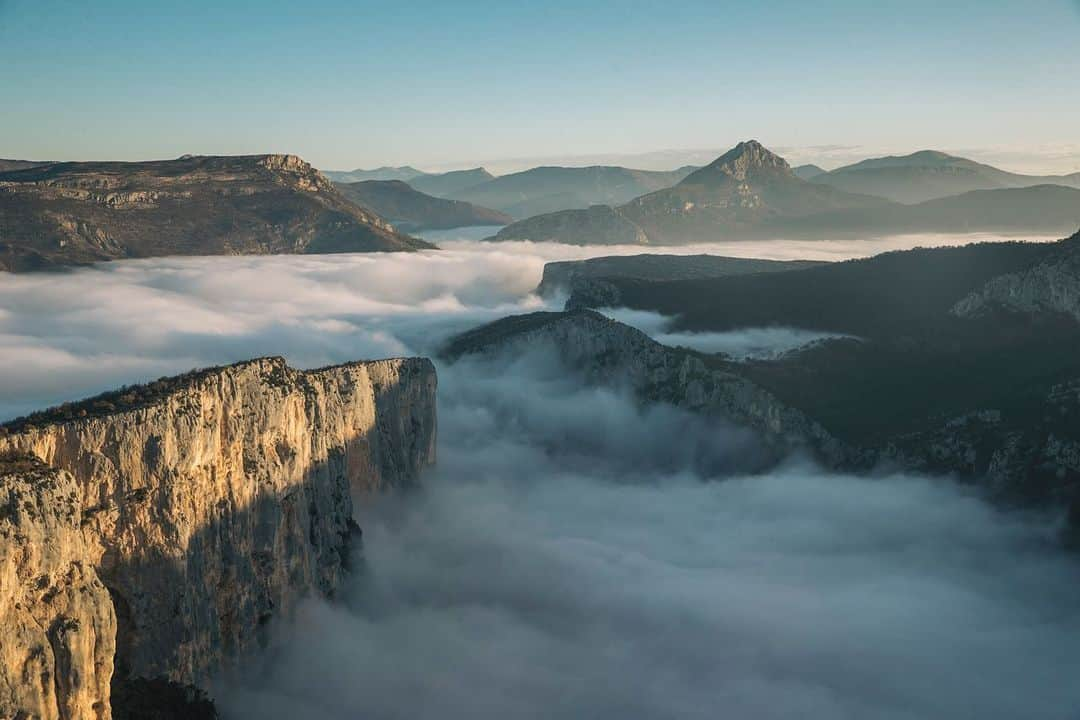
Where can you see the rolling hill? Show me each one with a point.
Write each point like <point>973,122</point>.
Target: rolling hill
<point>410,210</point>
<point>550,189</point>
<point>404,173</point>
<point>928,175</point>
<point>444,185</point>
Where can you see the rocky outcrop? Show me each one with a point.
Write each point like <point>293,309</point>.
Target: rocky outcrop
<point>208,504</point>
<point>609,352</point>
<point>1052,285</point>
<point>71,213</point>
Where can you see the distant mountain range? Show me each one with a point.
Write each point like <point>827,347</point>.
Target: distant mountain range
<point>444,185</point>
<point>530,192</point>
<point>750,192</point>
<point>808,171</point>
<point>548,189</point>
<point>404,173</point>
<point>927,175</point>
<point>410,210</point>
<point>10,165</point>
<point>61,214</point>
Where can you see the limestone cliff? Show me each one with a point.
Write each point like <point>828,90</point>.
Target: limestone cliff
<point>206,504</point>
<point>59,627</point>
<point>1052,285</point>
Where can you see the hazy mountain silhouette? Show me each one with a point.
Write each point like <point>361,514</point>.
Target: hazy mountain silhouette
<point>927,175</point>
<point>750,192</point>
<point>405,173</point>
<point>549,189</point>
<point>410,210</point>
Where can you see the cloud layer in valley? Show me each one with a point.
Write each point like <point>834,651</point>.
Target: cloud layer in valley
<point>63,337</point>
<point>574,554</point>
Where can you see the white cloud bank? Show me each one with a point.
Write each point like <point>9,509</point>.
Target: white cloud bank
<point>574,555</point>
<point>570,557</point>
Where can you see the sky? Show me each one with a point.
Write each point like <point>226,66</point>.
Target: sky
<point>348,83</point>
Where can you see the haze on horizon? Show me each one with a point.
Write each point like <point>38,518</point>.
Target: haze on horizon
<point>440,85</point>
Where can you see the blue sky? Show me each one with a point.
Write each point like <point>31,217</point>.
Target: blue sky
<point>349,84</point>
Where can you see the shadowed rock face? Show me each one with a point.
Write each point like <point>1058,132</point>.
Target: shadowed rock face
<point>609,352</point>
<point>206,504</point>
<point>70,213</point>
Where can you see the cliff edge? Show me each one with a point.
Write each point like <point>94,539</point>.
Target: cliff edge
<point>152,533</point>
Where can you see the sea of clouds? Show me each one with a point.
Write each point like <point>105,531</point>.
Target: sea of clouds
<point>574,554</point>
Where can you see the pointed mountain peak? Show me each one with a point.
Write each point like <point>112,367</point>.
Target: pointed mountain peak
<point>741,162</point>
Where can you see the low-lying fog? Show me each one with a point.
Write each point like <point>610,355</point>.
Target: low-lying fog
<point>574,555</point>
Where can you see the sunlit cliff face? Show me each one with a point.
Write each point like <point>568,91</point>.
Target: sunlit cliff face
<point>574,554</point>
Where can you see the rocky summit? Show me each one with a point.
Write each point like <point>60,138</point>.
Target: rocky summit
<point>61,214</point>
<point>740,192</point>
<point>752,193</point>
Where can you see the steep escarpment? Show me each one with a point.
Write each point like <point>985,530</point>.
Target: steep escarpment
<point>210,503</point>
<point>609,352</point>
<point>70,213</point>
